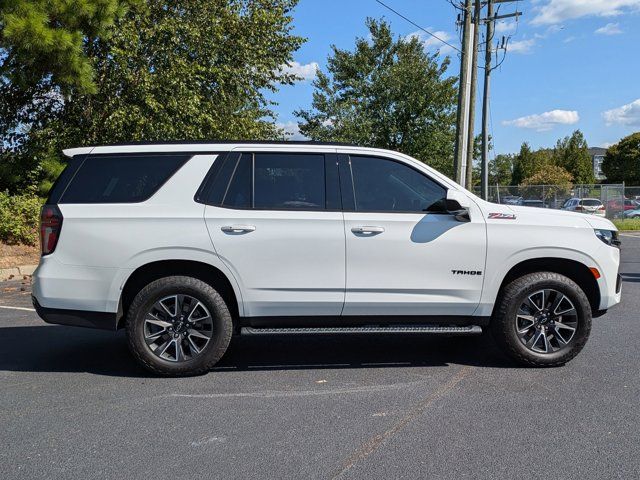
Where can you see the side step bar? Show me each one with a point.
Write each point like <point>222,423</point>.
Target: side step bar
<point>430,329</point>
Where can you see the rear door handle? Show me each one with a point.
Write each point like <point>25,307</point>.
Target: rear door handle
<point>367,229</point>
<point>238,228</point>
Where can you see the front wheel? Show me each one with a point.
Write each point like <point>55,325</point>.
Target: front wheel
<point>542,319</point>
<point>178,326</point>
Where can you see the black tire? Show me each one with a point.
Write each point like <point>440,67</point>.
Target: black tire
<point>179,285</point>
<point>504,323</point>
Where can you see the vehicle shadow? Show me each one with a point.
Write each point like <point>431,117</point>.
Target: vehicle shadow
<point>431,227</point>
<point>68,349</point>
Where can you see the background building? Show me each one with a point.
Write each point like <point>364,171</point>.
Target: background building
<point>597,155</point>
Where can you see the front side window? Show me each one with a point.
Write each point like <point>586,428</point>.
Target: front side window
<point>382,185</point>
<point>289,181</point>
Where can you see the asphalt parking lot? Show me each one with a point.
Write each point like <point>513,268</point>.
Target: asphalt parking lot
<point>74,405</point>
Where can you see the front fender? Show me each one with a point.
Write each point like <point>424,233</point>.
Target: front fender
<point>494,280</point>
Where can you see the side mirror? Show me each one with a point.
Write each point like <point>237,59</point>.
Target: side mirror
<point>458,205</point>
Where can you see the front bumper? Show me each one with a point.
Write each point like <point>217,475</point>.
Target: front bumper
<point>76,318</point>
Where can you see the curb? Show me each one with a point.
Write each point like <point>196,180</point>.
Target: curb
<point>20,271</point>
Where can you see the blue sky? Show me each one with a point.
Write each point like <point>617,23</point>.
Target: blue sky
<point>573,64</point>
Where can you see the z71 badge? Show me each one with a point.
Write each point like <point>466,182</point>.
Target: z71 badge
<point>502,216</point>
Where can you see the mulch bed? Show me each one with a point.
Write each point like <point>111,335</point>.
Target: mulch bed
<point>16,255</point>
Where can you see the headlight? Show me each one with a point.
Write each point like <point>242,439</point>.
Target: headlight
<point>610,237</point>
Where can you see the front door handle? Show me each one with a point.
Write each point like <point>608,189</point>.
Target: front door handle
<point>367,230</point>
<point>238,228</point>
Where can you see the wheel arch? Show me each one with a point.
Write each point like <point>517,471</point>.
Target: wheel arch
<point>151,271</point>
<point>572,269</point>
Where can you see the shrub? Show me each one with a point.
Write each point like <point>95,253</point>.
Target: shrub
<point>19,218</point>
<point>556,179</point>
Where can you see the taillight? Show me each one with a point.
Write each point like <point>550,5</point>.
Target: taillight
<point>579,208</point>
<point>601,207</point>
<point>50,226</point>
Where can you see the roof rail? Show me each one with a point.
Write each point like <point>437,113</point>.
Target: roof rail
<point>226,142</point>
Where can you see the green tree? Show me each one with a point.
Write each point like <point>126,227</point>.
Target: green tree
<point>528,162</point>
<point>386,93</point>
<point>572,154</point>
<point>622,161</point>
<point>174,70</point>
<point>501,169</point>
<point>477,160</point>
<point>43,55</point>
<point>556,179</point>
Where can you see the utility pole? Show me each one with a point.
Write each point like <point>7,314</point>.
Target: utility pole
<point>462,123</point>
<point>472,96</point>
<point>484,182</point>
<point>490,23</point>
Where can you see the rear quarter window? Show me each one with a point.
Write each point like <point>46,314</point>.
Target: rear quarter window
<point>121,178</point>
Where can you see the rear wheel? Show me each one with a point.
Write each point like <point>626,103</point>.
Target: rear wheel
<point>178,326</point>
<point>542,319</point>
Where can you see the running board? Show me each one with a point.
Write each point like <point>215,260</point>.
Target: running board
<point>430,329</point>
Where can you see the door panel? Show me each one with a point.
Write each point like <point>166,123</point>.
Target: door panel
<point>409,257</point>
<point>275,230</point>
<point>407,268</point>
<point>287,262</point>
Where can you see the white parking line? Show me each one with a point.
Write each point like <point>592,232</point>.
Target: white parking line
<point>18,308</point>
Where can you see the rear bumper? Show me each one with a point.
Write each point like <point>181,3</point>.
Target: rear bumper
<point>75,287</point>
<point>76,318</point>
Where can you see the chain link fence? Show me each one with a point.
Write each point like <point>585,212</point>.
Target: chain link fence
<point>617,200</point>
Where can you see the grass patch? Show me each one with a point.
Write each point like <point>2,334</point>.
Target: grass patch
<point>627,223</point>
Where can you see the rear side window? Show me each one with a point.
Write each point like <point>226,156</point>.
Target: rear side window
<point>274,181</point>
<point>289,181</point>
<point>121,178</point>
<point>238,194</point>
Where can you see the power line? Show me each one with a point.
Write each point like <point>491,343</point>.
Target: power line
<point>418,26</point>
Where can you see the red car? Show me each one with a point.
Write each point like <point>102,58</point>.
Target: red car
<point>617,204</point>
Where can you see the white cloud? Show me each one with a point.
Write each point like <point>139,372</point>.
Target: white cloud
<point>556,11</point>
<point>521,46</point>
<point>609,29</point>
<point>543,122</point>
<point>291,130</point>
<point>503,26</point>
<point>550,30</point>
<point>431,43</point>
<point>306,71</point>
<point>628,114</point>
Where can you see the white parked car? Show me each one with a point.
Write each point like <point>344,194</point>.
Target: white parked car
<point>591,206</point>
<point>185,244</point>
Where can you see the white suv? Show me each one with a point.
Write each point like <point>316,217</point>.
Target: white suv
<point>185,244</point>
<point>591,206</point>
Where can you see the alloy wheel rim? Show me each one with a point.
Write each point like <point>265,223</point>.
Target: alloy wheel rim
<point>546,321</point>
<point>178,328</point>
